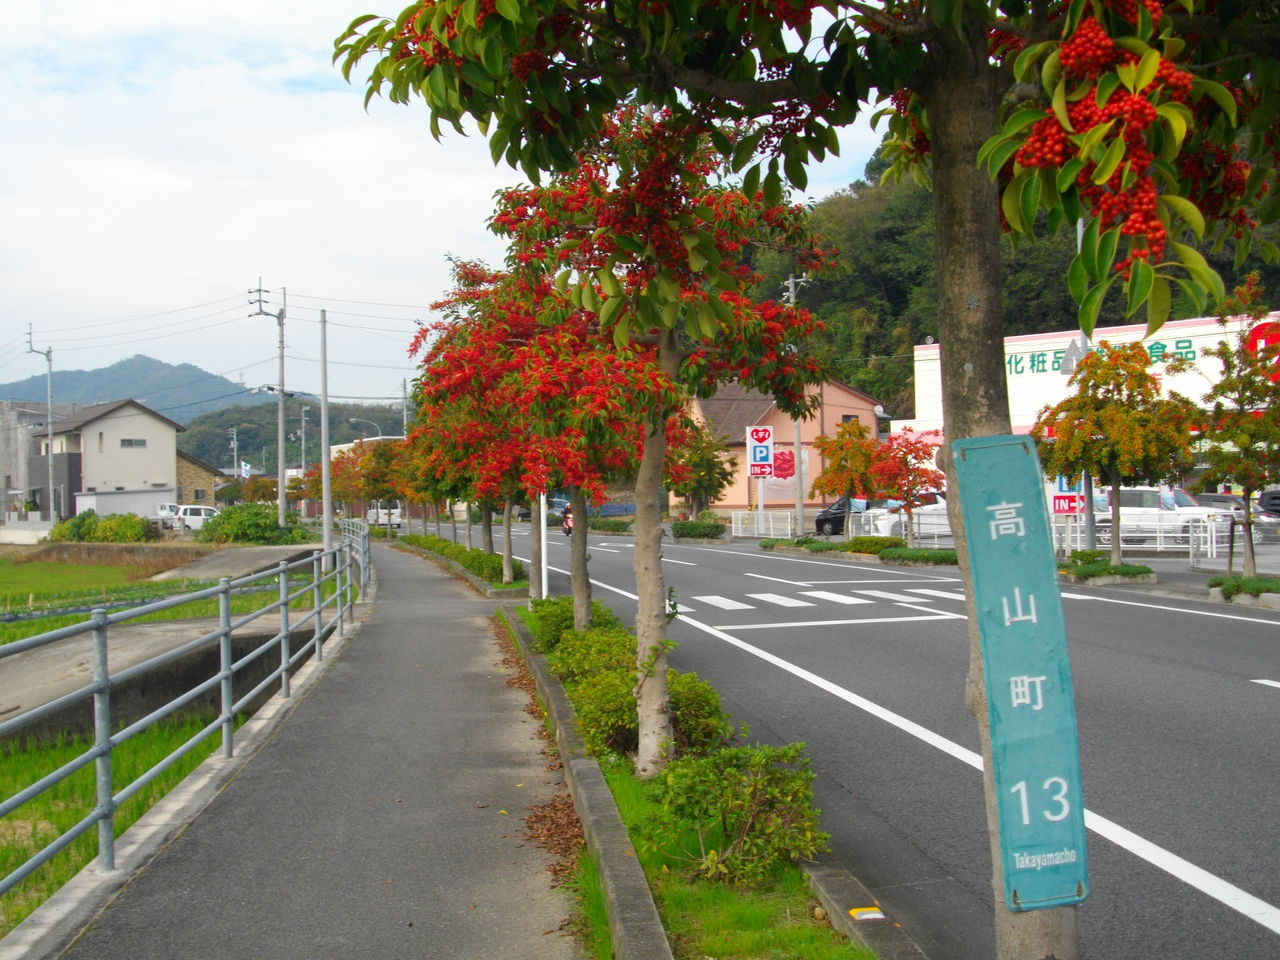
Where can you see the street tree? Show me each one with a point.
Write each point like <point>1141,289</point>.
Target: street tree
<point>905,468</point>
<point>708,468</point>
<point>1118,425</point>
<point>847,458</point>
<point>1242,421</point>
<point>1123,114</point>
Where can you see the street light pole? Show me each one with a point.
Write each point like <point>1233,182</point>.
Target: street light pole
<point>370,422</point>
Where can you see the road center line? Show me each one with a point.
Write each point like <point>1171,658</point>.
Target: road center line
<point>1268,683</point>
<point>1164,609</point>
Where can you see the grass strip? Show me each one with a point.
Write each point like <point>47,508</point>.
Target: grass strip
<point>34,825</point>
<point>711,920</point>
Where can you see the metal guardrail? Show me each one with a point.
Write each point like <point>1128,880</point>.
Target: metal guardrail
<point>770,524</point>
<point>337,569</point>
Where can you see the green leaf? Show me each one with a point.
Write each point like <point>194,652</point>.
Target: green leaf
<point>1068,173</point>
<point>1011,202</point>
<point>797,175</point>
<point>1186,211</point>
<point>1021,118</point>
<point>510,9</point>
<point>1089,250</point>
<point>1194,292</point>
<point>1026,62</point>
<point>608,282</point>
<point>1060,106</point>
<point>1141,280</point>
<point>1029,200</point>
<point>1177,118</point>
<point>1078,278</point>
<point>1107,84</point>
<point>1050,74</point>
<point>622,332</point>
<point>1107,245</point>
<point>1147,68</point>
<point>751,182</point>
<point>1200,271</point>
<point>1000,156</point>
<point>1092,303</point>
<point>562,280</point>
<point>1110,161</point>
<point>773,186</point>
<point>610,309</point>
<point>1218,93</point>
<point>1159,303</point>
<point>1089,142</point>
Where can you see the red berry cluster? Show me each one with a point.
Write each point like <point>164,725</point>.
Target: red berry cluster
<point>1089,51</point>
<point>1127,10</point>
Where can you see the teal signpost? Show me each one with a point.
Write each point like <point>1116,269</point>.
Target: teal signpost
<point>1030,703</point>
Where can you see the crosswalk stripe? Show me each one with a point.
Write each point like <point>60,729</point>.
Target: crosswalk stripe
<point>724,603</point>
<point>944,594</point>
<point>780,600</point>
<point>835,597</point>
<point>888,595</point>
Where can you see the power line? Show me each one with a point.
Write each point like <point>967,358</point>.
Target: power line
<point>147,316</point>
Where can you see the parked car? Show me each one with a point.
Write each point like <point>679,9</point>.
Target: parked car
<point>1269,500</point>
<point>167,513</point>
<point>830,520</point>
<point>555,507</point>
<point>1154,513</point>
<point>1265,522</point>
<point>384,513</point>
<point>193,516</point>
<point>929,519</point>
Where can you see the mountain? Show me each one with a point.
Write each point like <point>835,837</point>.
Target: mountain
<point>179,392</point>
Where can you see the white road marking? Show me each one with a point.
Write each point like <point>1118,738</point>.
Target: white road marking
<point>1268,683</point>
<point>944,594</point>
<point>790,583</point>
<point>779,600</point>
<point>1165,609</point>
<point>724,603</point>
<point>683,563</point>
<point>889,595</point>
<point>831,623</point>
<point>1245,903</point>
<point>835,597</point>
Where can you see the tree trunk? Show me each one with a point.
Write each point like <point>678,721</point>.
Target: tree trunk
<point>486,527</point>
<point>535,550</point>
<point>508,568</point>
<point>652,710</point>
<point>578,560</point>
<point>960,93</point>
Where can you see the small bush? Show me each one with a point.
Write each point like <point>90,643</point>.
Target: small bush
<point>486,566</point>
<point>707,516</point>
<point>123,528</point>
<point>582,654</point>
<point>554,615</point>
<point>700,723</point>
<point>77,529</point>
<point>919,555</point>
<point>1084,557</point>
<point>1104,568</point>
<point>698,529</point>
<point>1231,586</point>
<point>253,523</point>
<point>609,524</point>
<point>751,808</point>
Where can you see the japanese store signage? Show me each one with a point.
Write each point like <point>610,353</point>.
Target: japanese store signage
<point>760,451</point>
<point>1030,702</point>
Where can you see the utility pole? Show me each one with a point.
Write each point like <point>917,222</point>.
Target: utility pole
<point>326,491</point>
<point>48,390</point>
<point>793,284</point>
<point>280,427</point>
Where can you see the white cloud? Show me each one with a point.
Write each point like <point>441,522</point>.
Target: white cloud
<point>161,156</point>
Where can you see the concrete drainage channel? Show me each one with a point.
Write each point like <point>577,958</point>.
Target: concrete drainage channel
<point>634,924</point>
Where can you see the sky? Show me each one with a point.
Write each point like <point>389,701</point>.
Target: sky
<point>164,161</point>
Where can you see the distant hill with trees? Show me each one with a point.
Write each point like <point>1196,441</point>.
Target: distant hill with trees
<point>180,392</point>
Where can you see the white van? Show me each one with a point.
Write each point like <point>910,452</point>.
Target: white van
<point>384,513</point>
<point>192,516</point>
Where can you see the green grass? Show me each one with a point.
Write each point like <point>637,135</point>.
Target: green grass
<point>708,920</point>
<point>39,821</point>
<point>591,924</point>
<point>1252,585</point>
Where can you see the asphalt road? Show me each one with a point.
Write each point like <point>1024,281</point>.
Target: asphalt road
<point>866,664</point>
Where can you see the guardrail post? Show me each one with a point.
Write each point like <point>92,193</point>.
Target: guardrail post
<point>283,575</point>
<point>340,594</point>
<point>224,664</point>
<point>317,599</point>
<point>102,742</point>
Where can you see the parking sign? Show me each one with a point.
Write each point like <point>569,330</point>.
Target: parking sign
<point>760,451</point>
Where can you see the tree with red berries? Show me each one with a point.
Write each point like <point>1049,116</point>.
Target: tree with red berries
<point>847,459</point>
<point>1153,125</point>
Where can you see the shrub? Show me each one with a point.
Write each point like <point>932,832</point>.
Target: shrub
<point>751,808</point>
<point>698,529</point>
<point>1231,586</point>
<point>700,723</point>
<point>554,615</point>
<point>708,516</point>
<point>582,654</point>
<point>123,528</point>
<point>485,565</point>
<point>609,524</point>
<point>77,529</point>
<point>253,523</point>
<point>919,555</point>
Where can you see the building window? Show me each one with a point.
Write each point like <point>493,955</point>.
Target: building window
<point>845,418</point>
<point>200,494</point>
<point>126,442</point>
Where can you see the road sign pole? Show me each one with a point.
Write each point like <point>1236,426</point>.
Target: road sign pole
<point>1030,701</point>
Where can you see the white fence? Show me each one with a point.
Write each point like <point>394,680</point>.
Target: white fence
<point>768,524</point>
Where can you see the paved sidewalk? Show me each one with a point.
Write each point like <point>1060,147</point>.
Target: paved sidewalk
<point>381,820</point>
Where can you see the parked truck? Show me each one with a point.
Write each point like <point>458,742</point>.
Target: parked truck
<point>384,513</point>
